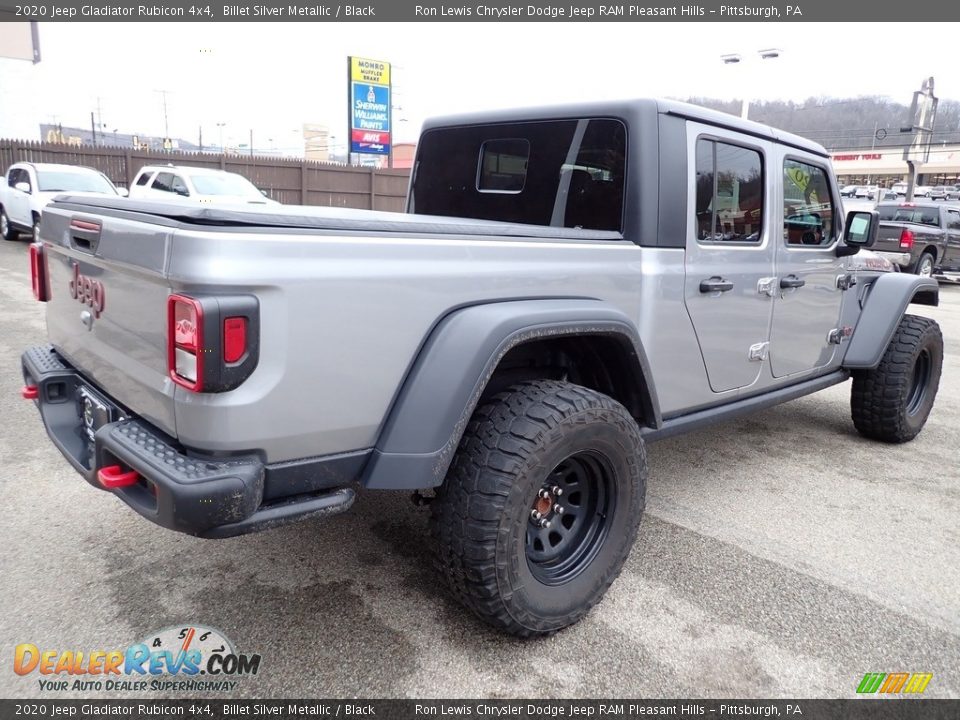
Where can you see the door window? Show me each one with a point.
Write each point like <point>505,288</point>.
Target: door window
<point>729,203</point>
<point>18,175</point>
<point>808,209</point>
<point>163,182</point>
<point>179,186</point>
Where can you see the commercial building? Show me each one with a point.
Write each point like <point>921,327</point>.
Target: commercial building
<point>885,166</point>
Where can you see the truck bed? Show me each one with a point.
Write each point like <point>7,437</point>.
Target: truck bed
<point>303,217</point>
<point>346,297</point>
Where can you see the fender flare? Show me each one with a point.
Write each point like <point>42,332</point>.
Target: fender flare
<point>431,411</point>
<point>882,308</point>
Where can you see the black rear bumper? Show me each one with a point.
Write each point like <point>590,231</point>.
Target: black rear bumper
<point>210,496</point>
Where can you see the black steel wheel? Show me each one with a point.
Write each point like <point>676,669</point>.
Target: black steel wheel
<point>568,519</point>
<point>893,401</point>
<point>541,505</point>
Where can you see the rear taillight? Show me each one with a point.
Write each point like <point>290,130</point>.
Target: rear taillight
<point>185,348</point>
<point>38,272</point>
<point>213,341</point>
<point>906,239</point>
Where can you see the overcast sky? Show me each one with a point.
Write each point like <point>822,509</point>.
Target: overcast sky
<point>273,77</point>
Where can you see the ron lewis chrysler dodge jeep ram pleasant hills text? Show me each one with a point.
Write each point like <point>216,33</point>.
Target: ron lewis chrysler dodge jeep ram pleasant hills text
<point>567,285</point>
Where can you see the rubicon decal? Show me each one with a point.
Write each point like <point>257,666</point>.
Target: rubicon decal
<point>172,659</point>
<point>88,291</point>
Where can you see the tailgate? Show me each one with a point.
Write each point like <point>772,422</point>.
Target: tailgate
<point>107,310</point>
<point>888,236</point>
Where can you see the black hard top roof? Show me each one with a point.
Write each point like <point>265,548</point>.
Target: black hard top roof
<point>625,109</point>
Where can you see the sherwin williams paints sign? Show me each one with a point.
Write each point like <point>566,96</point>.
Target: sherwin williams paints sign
<point>369,96</point>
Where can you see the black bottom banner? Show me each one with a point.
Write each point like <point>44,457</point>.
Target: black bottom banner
<point>867,709</point>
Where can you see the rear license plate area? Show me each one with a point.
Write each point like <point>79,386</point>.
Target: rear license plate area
<point>94,411</point>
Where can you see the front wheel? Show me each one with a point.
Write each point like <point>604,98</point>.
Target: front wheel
<point>892,402</point>
<point>6,229</point>
<point>541,506</point>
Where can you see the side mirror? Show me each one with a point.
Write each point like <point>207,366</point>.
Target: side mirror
<point>123,192</point>
<point>23,187</point>
<point>859,232</point>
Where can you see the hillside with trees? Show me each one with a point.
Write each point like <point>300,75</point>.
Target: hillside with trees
<point>845,123</point>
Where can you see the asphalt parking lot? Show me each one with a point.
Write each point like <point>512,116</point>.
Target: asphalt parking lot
<point>780,556</point>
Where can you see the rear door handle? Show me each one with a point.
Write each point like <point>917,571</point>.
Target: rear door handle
<point>792,281</point>
<point>715,284</point>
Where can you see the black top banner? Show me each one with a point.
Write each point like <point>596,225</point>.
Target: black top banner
<point>851,11</point>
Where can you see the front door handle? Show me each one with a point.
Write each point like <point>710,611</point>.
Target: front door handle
<point>715,284</point>
<point>791,281</point>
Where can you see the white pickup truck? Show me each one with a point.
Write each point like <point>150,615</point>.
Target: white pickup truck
<point>27,188</point>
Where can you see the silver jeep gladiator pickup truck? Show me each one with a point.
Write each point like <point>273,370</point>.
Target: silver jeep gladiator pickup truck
<point>568,284</point>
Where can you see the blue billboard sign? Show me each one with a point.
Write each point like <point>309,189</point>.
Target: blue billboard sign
<point>369,118</point>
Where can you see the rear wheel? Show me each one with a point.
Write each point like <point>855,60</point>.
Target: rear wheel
<point>541,506</point>
<point>6,229</point>
<point>893,401</point>
<point>924,265</point>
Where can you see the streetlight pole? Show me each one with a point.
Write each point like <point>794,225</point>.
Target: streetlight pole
<point>736,59</point>
<point>220,126</point>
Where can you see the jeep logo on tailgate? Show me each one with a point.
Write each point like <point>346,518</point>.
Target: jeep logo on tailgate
<point>88,291</point>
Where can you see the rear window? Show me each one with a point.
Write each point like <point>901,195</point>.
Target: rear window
<point>557,173</point>
<point>919,215</point>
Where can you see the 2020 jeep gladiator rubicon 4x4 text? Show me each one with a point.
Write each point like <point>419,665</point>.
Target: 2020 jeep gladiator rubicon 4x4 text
<point>568,284</point>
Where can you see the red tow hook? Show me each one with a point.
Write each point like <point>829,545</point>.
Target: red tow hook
<point>113,476</point>
<point>30,392</point>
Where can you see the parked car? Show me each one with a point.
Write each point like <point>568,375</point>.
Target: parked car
<point>867,191</point>
<point>922,238</point>
<point>922,191</point>
<point>938,192</point>
<point>508,364</point>
<point>198,185</point>
<point>900,188</point>
<point>953,192</point>
<point>848,191</point>
<point>27,188</point>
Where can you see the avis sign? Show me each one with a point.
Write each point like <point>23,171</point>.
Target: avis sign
<point>370,114</point>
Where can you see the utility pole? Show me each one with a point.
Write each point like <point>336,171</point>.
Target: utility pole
<point>93,128</point>
<point>99,119</point>
<point>201,138</point>
<point>166,121</point>
<point>251,142</point>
